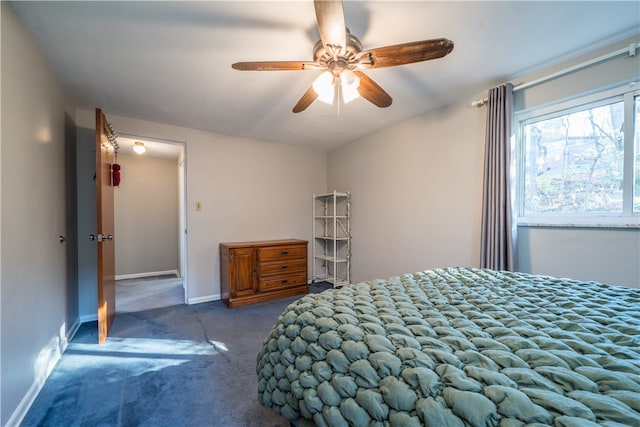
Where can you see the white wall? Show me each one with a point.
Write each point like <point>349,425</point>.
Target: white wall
<point>146,215</point>
<point>249,190</point>
<point>33,272</point>
<point>416,193</point>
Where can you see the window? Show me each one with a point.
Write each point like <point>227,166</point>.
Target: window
<point>579,161</point>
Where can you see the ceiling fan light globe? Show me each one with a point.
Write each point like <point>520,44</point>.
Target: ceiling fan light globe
<point>324,86</point>
<point>349,78</point>
<point>349,94</point>
<point>349,84</point>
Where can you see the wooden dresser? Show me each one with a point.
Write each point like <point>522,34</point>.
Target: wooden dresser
<point>253,272</point>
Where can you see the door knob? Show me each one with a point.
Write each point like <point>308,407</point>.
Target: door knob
<point>100,237</point>
<point>61,238</point>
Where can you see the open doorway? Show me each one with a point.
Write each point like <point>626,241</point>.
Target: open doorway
<point>150,241</point>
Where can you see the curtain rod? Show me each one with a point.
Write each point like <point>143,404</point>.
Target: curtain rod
<point>631,50</point>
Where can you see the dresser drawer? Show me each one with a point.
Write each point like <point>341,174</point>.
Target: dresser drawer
<point>283,281</point>
<point>282,267</point>
<point>282,253</point>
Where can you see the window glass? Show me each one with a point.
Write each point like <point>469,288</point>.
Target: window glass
<point>573,163</point>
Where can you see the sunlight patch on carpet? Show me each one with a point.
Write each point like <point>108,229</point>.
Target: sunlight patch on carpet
<point>154,346</point>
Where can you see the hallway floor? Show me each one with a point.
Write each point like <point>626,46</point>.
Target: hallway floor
<point>134,295</point>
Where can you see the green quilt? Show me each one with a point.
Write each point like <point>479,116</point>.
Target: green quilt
<point>457,347</point>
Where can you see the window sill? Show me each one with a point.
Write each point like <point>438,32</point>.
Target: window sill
<point>599,222</point>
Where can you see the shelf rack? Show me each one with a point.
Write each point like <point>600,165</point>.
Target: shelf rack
<point>332,238</point>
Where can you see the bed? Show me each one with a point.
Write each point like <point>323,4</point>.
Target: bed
<point>457,347</point>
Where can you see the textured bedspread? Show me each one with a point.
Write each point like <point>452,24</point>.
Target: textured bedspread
<point>457,347</point>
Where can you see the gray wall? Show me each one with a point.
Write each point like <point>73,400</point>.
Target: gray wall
<point>416,205</point>
<point>87,224</point>
<point>71,215</point>
<point>248,190</point>
<point>146,215</point>
<point>609,255</point>
<point>596,77</point>
<point>416,193</point>
<point>605,255</point>
<point>36,119</point>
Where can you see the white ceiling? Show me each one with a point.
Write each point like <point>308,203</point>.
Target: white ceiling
<point>153,147</point>
<point>170,62</point>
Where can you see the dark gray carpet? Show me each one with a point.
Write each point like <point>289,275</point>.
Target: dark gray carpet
<point>174,366</point>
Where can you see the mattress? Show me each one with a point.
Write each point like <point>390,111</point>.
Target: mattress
<point>457,347</point>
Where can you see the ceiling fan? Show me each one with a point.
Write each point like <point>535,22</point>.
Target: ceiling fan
<point>339,55</point>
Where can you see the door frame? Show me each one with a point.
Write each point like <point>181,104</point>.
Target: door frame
<point>182,203</point>
<point>182,221</point>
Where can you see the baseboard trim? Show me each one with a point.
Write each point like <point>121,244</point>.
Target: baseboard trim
<point>88,318</point>
<point>47,359</point>
<point>25,404</point>
<point>147,274</point>
<point>72,330</point>
<point>208,298</point>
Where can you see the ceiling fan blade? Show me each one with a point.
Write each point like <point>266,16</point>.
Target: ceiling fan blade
<point>372,92</point>
<point>405,53</point>
<point>331,26</point>
<point>306,100</point>
<point>275,66</point>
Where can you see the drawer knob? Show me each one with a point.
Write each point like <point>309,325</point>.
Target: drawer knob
<point>284,282</point>
<point>284,253</point>
<point>284,267</point>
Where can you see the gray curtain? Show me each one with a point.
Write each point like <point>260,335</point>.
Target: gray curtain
<point>498,231</point>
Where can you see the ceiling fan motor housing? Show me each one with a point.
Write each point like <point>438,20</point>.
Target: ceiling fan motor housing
<point>338,58</point>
